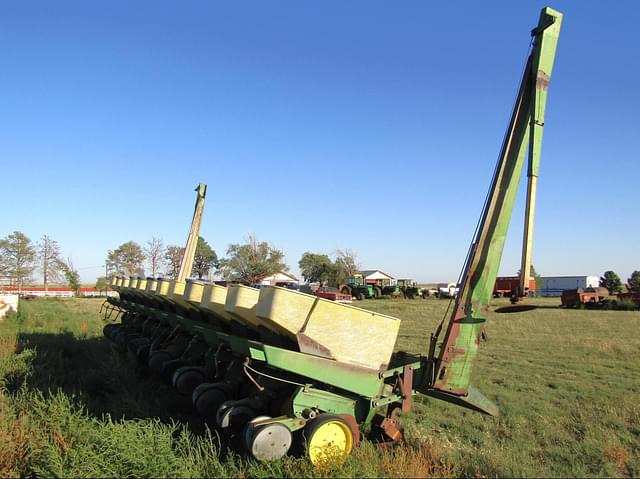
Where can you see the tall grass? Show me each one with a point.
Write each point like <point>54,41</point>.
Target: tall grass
<point>567,383</point>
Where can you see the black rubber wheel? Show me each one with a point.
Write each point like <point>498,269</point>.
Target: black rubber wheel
<point>110,330</point>
<point>142,353</point>
<point>232,419</point>
<point>170,367</point>
<point>207,398</point>
<point>186,379</point>
<point>157,360</point>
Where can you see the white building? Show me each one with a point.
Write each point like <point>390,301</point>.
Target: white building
<point>555,285</point>
<point>375,276</point>
<point>280,279</point>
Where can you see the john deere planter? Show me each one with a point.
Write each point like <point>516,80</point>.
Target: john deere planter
<point>279,368</point>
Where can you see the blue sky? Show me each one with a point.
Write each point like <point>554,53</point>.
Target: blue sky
<point>373,126</point>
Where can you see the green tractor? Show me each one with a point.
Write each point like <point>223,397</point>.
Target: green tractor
<point>356,287</point>
<point>359,289</point>
<point>409,288</point>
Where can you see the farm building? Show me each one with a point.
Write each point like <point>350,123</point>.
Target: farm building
<point>555,285</point>
<point>375,276</point>
<point>280,279</point>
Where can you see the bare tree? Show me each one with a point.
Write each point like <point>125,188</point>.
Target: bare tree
<point>346,262</point>
<point>50,261</point>
<point>173,256</point>
<point>155,252</point>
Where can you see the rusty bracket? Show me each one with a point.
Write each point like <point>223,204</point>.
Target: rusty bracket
<point>405,384</point>
<point>389,426</point>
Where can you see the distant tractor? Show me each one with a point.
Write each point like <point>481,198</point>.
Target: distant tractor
<point>409,288</point>
<point>575,298</point>
<point>359,289</point>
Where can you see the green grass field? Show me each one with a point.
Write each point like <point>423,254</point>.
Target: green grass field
<point>567,383</point>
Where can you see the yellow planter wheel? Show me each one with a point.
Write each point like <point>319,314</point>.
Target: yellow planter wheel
<point>327,438</point>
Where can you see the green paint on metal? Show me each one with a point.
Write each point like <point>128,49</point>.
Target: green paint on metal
<point>386,400</point>
<point>344,376</point>
<point>460,347</point>
<point>350,378</point>
<point>310,399</point>
<point>473,400</point>
<point>393,371</point>
<point>257,354</point>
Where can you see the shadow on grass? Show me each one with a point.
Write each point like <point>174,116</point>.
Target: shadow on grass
<point>520,308</point>
<point>102,380</point>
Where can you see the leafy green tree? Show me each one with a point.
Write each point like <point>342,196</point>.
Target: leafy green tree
<point>127,259</point>
<point>250,263</point>
<point>173,258</point>
<point>634,282</point>
<point>102,284</point>
<point>316,267</point>
<point>71,275</point>
<point>205,258</point>
<point>611,281</point>
<point>17,257</point>
<point>49,256</point>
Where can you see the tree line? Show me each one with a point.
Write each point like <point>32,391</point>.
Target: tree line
<point>246,263</point>
<point>613,283</point>
<point>20,258</point>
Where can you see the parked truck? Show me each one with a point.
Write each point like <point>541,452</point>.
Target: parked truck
<point>447,290</point>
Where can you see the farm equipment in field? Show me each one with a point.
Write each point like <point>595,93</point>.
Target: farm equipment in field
<point>590,297</point>
<point>509,286</point>
<point>633,296</point>
<point>357,287</point>
<point>409,288</point>
<point>279,369</point>
<point>332,294</point>
<point>447,290</point>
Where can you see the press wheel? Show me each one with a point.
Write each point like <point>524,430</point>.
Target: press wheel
<point>207,398</point>
<point>327,438</point>
<point>268,442</point>
<point>187,378</point>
